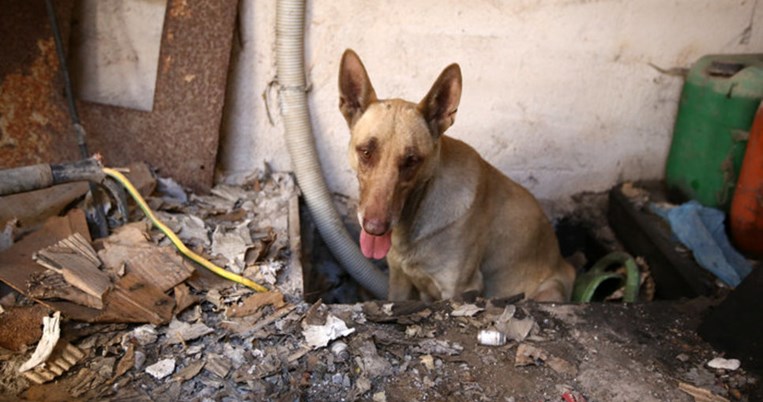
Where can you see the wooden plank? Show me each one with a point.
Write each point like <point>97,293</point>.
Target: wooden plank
<point>34,207</point>
<point>676,274</point>
<point>17,267</point>
<point>16,264</point>
<point>255,302</point>
<point>52,285</point>
<point>183,298</point>
<point>162,266</point>
<point>135,299</point>
<point>75,258</point>
<point>293,281</point>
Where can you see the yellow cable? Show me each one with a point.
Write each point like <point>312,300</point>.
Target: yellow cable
<point>175,240</point>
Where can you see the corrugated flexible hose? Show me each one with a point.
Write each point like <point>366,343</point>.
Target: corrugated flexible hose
<point>301,145</point>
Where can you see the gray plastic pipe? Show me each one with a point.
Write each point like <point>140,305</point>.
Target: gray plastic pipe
<point>290,22</point>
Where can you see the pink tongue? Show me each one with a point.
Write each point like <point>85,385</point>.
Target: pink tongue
<point>375,247</point>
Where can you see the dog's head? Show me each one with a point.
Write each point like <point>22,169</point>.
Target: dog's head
<point>394,145</point>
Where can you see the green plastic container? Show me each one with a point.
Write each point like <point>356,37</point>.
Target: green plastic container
<point>718,104</point>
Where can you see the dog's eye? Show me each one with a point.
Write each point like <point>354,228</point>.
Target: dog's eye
<point>410,161</point>
<point>366,150</point>
<point>364,153</point>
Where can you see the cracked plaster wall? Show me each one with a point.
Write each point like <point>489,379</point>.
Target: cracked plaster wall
<point>560,95</point>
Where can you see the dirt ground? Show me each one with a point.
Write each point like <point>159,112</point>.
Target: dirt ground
<point>412,351</point>
<point>229,343</point>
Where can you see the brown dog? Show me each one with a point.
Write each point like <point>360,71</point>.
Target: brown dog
<point>447,221</point>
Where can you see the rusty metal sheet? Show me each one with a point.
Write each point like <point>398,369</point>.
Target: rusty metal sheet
<point>180,136</point>
<point>34,124</point>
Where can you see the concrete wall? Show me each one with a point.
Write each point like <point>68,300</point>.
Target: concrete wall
<point>563,96</point>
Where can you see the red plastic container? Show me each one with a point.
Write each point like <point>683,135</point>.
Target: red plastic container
<point>746,214</point>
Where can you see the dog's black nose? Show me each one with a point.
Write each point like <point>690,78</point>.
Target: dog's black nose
<point>376,227</point>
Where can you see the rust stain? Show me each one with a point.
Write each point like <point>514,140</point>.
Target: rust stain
<point>21,96</point>
<point>167,64</point>
<point>179,9</point>
<point>34,124</point>
<point>27,112</point>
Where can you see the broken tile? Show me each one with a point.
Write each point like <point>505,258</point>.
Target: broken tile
<point>466,310</point>
<point>724,364</point>
<point>143,335</point>
<point>518,329</point>
<point>318,336</point>
<point>170,190</point>
<point>371,364</point>
<point>236,355</point>
<point>230,193</point>
<point>265,272</point>
<point>232,244</point>
<point>162,368</point>
<point>191,229</point>
<point>181,332</point>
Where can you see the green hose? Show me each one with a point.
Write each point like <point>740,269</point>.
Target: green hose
<point>587,283</point>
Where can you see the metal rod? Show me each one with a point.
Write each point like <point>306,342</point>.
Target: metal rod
<point>96,217</point>
<point>78,129</point>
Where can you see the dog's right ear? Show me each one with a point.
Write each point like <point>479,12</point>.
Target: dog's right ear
<point>355,89</point>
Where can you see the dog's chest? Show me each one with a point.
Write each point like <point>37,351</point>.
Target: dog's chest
<point>432,273</point>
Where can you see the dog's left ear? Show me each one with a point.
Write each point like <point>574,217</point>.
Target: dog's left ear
<point>440,105</point>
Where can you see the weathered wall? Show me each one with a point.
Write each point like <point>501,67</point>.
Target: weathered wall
<point>561,95</point>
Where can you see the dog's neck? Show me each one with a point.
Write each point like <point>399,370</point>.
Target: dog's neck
<point>444,194</point>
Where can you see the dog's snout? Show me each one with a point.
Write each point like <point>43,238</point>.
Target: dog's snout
<point>376,227</point>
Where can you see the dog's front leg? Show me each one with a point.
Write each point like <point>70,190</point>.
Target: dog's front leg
<point>400,286</point>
